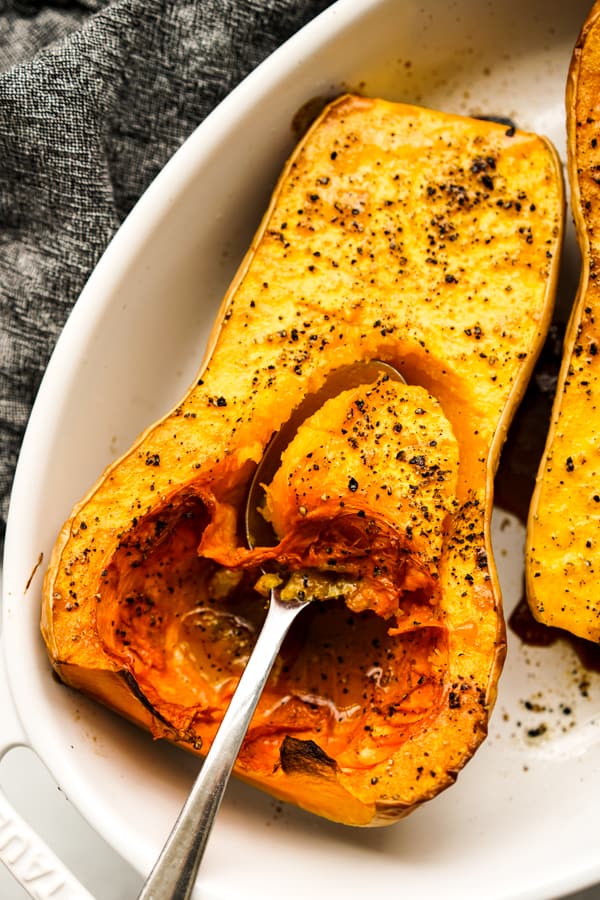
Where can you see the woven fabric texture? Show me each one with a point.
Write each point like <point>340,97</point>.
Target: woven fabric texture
<point>94,99</point>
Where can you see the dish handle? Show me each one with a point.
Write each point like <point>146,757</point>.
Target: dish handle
<point>26,855</point>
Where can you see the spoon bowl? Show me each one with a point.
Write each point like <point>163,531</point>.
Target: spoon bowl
<point>259,532</point>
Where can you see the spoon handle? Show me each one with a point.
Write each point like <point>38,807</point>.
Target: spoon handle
<point>174,873</point>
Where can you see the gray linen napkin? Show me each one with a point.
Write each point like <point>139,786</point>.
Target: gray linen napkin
<point>94,98</point>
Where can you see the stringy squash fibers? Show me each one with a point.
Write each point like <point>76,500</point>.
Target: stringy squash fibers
<point>563,572</point>
<point>396,233</point>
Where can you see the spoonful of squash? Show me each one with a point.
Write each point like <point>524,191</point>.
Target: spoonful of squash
<point>175,871</point>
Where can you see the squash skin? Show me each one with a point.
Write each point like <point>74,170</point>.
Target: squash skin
<point>562,571</point>
<point>444,263</point>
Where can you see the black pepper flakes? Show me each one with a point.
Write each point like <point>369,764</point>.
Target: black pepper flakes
<point>538,731</point>
<point>482,558</point>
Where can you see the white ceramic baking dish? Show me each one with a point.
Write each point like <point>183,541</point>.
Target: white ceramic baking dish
<point>523,819</point>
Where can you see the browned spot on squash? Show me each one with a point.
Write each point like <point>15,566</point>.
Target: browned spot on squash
<point>305,757</point>
<point>135,689</point>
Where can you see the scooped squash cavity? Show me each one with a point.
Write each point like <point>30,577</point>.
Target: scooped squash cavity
<point>396,233</point>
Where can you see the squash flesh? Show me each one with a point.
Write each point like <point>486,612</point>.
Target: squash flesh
<point>380,466</point>
<point>395,233</point>
<point>563,577</point>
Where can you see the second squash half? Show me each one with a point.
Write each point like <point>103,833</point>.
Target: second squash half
<point>563,540</point>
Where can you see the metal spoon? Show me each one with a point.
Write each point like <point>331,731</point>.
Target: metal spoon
<point>174,873</point>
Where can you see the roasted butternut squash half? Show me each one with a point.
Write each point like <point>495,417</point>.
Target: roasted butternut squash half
<point>395,233</point>
<point>563,539</point>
